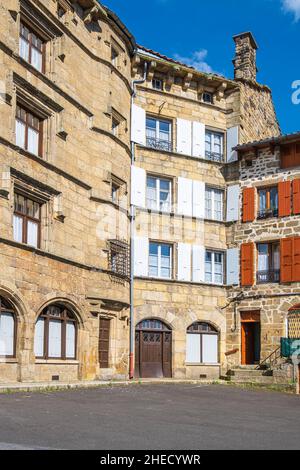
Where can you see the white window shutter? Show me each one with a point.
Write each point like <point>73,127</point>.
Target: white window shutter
<point>138,125</point>
<point>184,262</point>
<point>185,197</point>
<point>232,141</point>
<point>39,338</point>
<point>199,199</point>
<point>233,203</point>
<point>210,349</point>
<point>55,342</point>
<point>198,140</point>
<point>198,263</point>
<point>7,327</point>
<point>233,266</point>
<point>184,136</point>
<point>138,186</point>
<point>141,256</point>
<point>193,355</point>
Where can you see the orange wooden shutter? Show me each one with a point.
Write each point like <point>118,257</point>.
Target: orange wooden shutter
<point>296,260</point>
<point>247,264</point>
<point>287,153</point>
<point>286,259</point>
<point>284,198</point>
<point>296,197</point>
<point>249,205</point>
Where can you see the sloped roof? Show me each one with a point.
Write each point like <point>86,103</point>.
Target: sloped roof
<point>283,138</point>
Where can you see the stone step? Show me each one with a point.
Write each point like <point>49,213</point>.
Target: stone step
<point>251,373</point>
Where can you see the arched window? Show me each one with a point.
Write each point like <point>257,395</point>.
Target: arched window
<point>202,344</point>
<point>55,334</point>
<point>8,330</point>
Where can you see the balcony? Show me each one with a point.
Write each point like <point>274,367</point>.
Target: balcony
<point>267,214</point>
<point>265,277</point>
<point>159,144</point>
<point>214,157</point>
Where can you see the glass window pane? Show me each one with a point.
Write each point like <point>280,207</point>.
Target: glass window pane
<point>55,338</point>
<point>153,248</point>
<point>20,134</point>
<point>262,200</point>
<point>32,234</point>
<point>70,340</point>
<point>24,49</point>
<point>263,257</point>
<point>33,141</point>
<point>18,228</point>
<point>151,123</point>
<point>274,198</point>
<point>20,204</point>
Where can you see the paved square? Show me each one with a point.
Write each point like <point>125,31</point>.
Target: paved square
<point>151,417</point>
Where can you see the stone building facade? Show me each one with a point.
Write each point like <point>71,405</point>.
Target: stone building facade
<point>185,188</point>
<point>65,79</point>
<point>264,307</point>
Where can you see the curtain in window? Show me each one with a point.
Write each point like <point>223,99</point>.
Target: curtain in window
<point>20,134</point>
<point>263,258</point>
<point>262,200</point>
<point>218,268</point>
<point>33,141</point>
<point>39,338</point>
<point>18,229</point>
<point>55,338</point>
<point>208,267</point>
<point>32,234</point>
<point>165,195</point>
<point>70,340</point>
<point>24,49</point>
<point>151,194</point>
<point>7,328</point>
<point>208,203</point>
<point>36,59</point>
<point>218,205</point>
<point>276,257</point>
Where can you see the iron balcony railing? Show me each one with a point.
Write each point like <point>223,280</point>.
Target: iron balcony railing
<point>159,144</point>
<point>214,157</point>
<point>267,213</point>
<point>272,275</point>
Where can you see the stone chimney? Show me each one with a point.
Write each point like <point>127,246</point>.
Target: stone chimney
<point>245,56</point>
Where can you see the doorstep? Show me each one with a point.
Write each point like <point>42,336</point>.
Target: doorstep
<point>50,386</point>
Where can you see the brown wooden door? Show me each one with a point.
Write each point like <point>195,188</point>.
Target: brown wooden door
<point>104,335</point>
<point>153,354</point>
<point>250,343</point>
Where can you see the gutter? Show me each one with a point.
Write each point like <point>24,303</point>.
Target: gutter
<point>132,233</point>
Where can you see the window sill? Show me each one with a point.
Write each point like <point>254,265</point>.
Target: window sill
<point>202,364</point>
<point>57,361</point>
<point>8,360</point>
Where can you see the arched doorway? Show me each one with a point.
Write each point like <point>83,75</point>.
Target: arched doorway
<point>153,349</point>
<point>293,322</point>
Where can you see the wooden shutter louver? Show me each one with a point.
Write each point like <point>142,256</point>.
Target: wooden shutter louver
<point>249,205</point>
<point>296,259</point>
<point>284,198</point>
<point>247,264</point>
<point>286,260</point>
<point>296,197</point>
<point>290,155</point>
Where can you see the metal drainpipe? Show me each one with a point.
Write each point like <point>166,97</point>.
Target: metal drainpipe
<point>132,231</point>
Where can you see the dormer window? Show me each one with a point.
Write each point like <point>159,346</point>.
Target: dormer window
<point>157,84</point>
<point>32,47</point>
<point>208,98</point>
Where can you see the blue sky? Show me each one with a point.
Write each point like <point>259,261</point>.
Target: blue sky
<point>200,32</point>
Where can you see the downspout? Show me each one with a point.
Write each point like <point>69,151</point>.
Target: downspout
<point>132,233</point>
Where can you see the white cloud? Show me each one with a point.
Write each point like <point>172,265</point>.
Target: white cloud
<point>292,6</point>
<point>196,60</point>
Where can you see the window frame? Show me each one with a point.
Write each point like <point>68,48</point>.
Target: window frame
<point>64,321</point>
<point>159,143</point>
<point>156,81</point>
<point>213,203</point>
<point>211,155</point>
<point>26,218</point>
<point>213,262</point>
<point>122,251</point>
<point>32,31</point>
<point>39,129</point>
<point>158,190</point>
<point>159,257</point>
<point>268,211</point>
<point>212,331</point>
<point>271,263</point>
<point>208,93</point>
<point>10,310</point>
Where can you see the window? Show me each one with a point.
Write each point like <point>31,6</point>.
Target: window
<point>208,98</point>
<point>7,329</point>
<point>214,204</point>
<point>27,220</point>
<point>202,344</point>
<point>115,126</point>
<point>158,134</point>
<point>31,48</point>
<point>119,258</point>
<point>268,265</point>
<point>268,202</point>
<point>214,146</point>
<point>159,194</point>
<point>157,84</point>
<point>29,131</point>
<point>114,56</point>
<point>160,260</point>
<point>290,155</point>
<point>55,334</point>
<point>214,267</point>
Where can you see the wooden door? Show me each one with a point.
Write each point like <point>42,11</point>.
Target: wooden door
<point>104,335</point>
<point>248,343</point>
<point>153,354</point>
